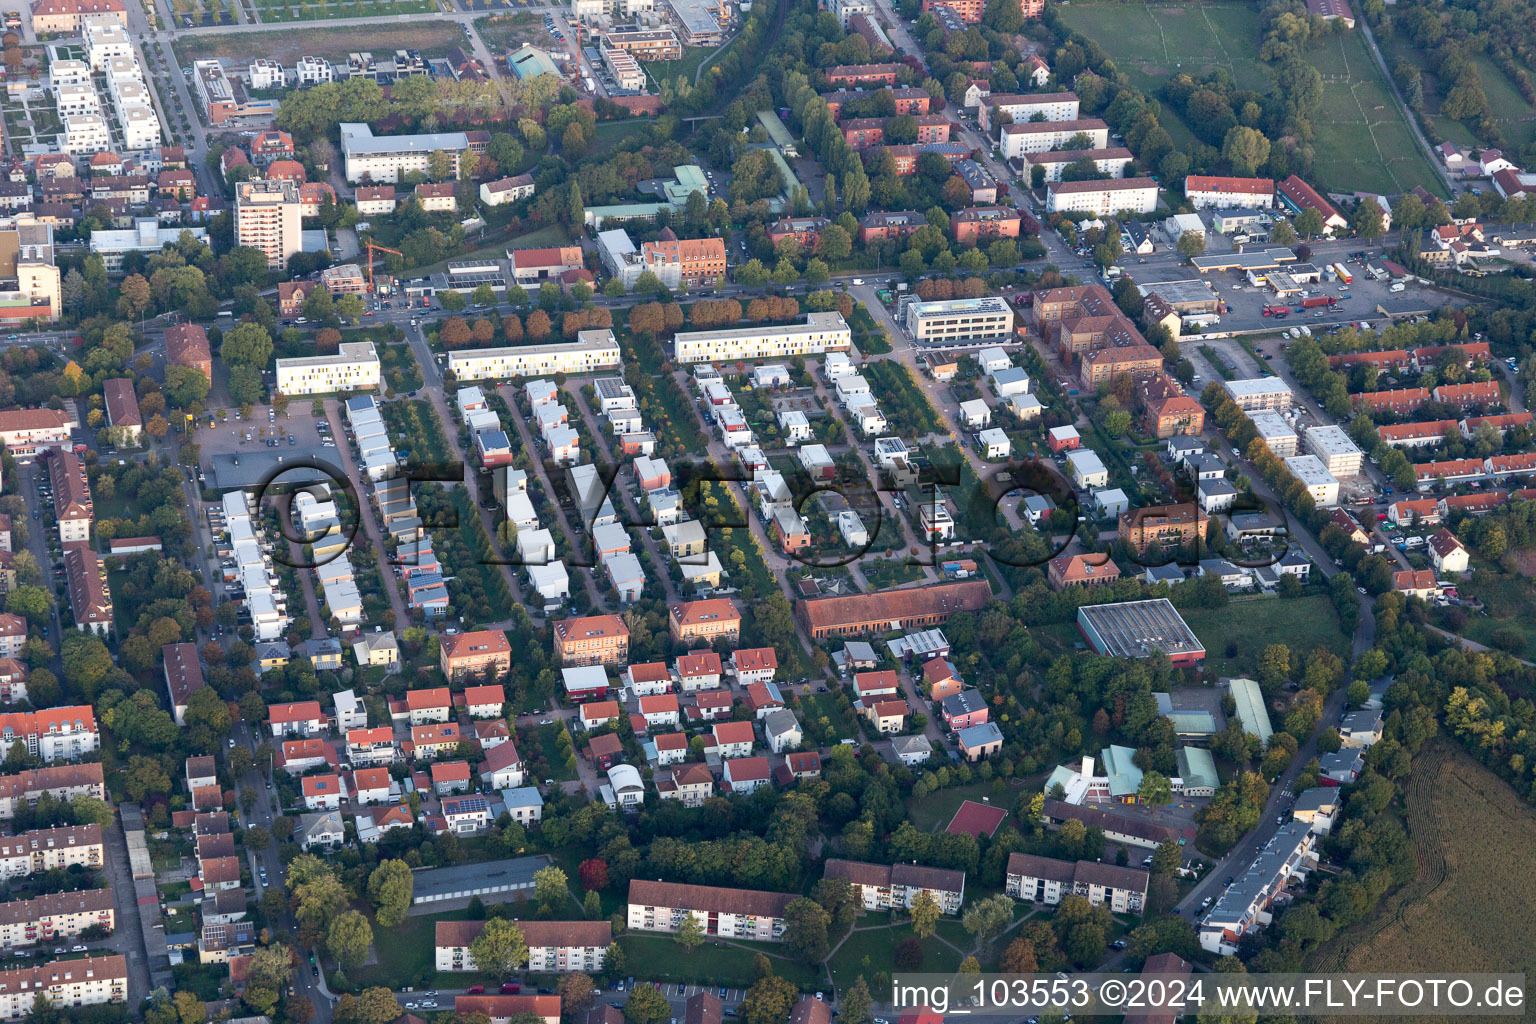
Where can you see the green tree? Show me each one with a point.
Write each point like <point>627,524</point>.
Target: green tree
<point>646,1005</point>
<point>1191,244</point>
<point>1309,223</point>
<point>805,929</point>
<point>551,888</point>
<point>925,914</point>
<point>768,1001</point>
<point>499,949</point>
<point>246,344</point>
<point>1368,221</point>
<point>689,934</point>
<point>390,887</point>
<point>856,1003</point>
<point>1246,149</point>
<point>348,938</point>
<point>1155,789</point>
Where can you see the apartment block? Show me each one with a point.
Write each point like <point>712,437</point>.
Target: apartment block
<point>1046,880</point>
<point>65,984</point>
<point>355,367</point>
<point>592,351</point>
<point>1102,198</point>
<point>50,849</point>
<point>592,640</point>
<point>895,886</point>
<point>821,332</point>
<point>52,918</point>
<point>727,913</point>
<point>482,655</point>
<point>947,322</point>
<point>268,217</point>
<point>553,946</point>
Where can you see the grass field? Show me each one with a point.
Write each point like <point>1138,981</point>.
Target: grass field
<point>870,950</point>
<point>1471,833</point>
<point>1310,622</point>
<point>934,811</point>
<point>272,11</point>
<point>509,31</point>
<point>611,134</point>
<point>1510,601</point>
<point>433,39</point>
<point>660,958</point>
<point>1509,109</point>
<point>1363,139</point>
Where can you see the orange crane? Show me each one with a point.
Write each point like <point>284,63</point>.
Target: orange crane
<point>371,249</point>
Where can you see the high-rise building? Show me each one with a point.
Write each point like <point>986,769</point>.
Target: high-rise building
<point>267,217</point>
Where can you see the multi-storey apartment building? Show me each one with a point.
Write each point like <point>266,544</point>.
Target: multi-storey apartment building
<point>53,734</point>
<point>1023,137</point>
<point>1105,364</point>
<point>375,159</point>
<point>1167,526</point>
<point>895,886</point>
<point>482,654</point>
<point>1053,106</point>
<point>593,350</point>
<point>65,984</point>
<point>58,916</point>
<point>1046,880</point>
<point>62,782</point>
<point>692,261</point>
<point>553,946</point>
<point>90,601</point>
<point>1258,393</point>
<point>728,913</point>
<point>72,507</point>
<point>1102,198</point>
<point>268,217</point>
<point>50,848</point>
<point>704,621</point>
<point>355,367</point>
<point>949,321</point>
<point>592,640</point>
<point>821,332</point>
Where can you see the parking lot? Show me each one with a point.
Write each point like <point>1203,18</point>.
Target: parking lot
<point>298,429</point>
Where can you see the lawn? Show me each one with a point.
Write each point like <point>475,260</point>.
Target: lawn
<point>1363,138</point>
<point>611,134</point>
<point>870,950</point>
<point>934,811</point>
<point>884,573</point>
<point>274,11</point>
<point>1249,625</point>
<point>687,66</point>
<point>827,720</point>
<point>1461,816</point>
<point>432,38</point>
<point>728,963</point>
<point>509,31</point>
<point>1510,602</point>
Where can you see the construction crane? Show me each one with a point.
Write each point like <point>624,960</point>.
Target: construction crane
<point>371,248</point>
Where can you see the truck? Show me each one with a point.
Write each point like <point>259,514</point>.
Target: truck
<point>1317,301</point>
<point>1344,274</point>
<point>1276,310</point>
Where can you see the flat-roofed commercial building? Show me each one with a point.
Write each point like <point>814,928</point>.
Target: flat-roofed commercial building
<point>821,332</point>
<point>1314,476</point>
<point>1258,393</point>
<point>949,321</point>
<point>592,351</point>
<point>1137,629</point>
<point>354,367</point>
<point>1333,447</point>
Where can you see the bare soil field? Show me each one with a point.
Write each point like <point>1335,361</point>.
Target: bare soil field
<point>433,39</point>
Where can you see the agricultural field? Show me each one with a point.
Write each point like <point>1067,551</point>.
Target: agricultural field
<point>1363,138</point>
<point>1471,833</point>
<point>432,38</point>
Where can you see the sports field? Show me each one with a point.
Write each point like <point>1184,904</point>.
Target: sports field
<point>1515,117</point>
<point>1363,139</point>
